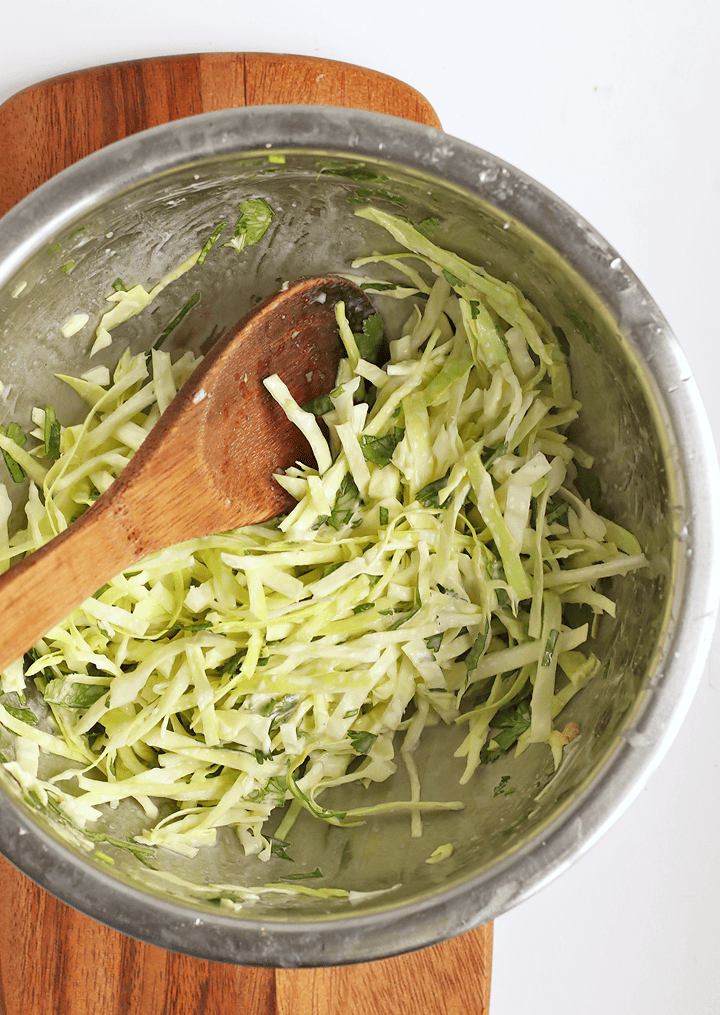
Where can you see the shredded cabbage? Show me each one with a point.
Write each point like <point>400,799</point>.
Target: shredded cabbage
<point>425,575</point>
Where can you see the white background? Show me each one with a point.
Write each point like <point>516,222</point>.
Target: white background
<point>613,105</point>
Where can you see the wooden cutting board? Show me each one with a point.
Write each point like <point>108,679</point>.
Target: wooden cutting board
<point>54,960</point>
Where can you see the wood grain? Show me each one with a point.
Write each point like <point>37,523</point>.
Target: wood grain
<point>54,960</point>
<point>50,125</point>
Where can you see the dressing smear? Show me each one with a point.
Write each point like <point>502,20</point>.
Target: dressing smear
<point>427,575</point>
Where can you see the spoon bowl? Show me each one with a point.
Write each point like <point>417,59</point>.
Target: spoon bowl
<point>206,467</point>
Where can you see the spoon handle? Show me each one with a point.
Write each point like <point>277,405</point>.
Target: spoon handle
<point>43,588</point>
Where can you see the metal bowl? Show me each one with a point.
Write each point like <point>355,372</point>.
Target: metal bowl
<point>137,209</point>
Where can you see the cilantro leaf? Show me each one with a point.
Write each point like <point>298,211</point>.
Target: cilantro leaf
<point>51,434</point>
<point>501,788</point>
<point>428,495</point>
<point>177,319</point>
<point>364,194</point>
<point>479,645</point>
<point>508,726</point>
<point>210,242</point>
<point>427,225</point>
<point>319,406</point>
<point>302,875</point>
<point>453,279</point>
<point>368,341</point>
<point>379,450</point>
<point>362,741</point>
<point>254,221</point>
<point>434,641</point>
<point>23,714</point>
<point>380,287</point>
<point>345,503</point>
<point>278,848</point>
<point>14,432</point>
<point>357,171</point>
<point>73,695</point>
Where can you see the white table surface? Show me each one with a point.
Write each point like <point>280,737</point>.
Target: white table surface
<point>613,106</point>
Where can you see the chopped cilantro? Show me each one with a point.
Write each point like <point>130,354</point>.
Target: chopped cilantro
<point>302,875</point>
<point>362,741</point>
<point>368,341</point>
<point>177,319</point>
<point>14,432</point>
<point>23,714</point>
<point>379,450</point>
<point>252,224</point>
<point>357,171</point>
<point>453,279</point>
<point>508,726</point>
<point>210,242</point>
<point>502,787</point>
<point>51,434</point>
<point>428,495</point>
<point>278,848</point>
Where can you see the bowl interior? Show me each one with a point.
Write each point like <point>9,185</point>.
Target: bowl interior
<point>142,233</point>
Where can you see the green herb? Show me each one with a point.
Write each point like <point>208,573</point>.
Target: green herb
<point>345,503</point>
<point>550,647</point>
<point>368,341</point>
<point>508,726</point>
<point>51,434</point>
<point>362,741</point>
<point>427,225</point>
<point>363,607</point>
<point>210,243</point>
<point>15,434</point>
<point>67,267</point>
<point>406,615</point>
<point>557,512</point>
<point>252,224</point>
<point>479,645</point>
<point>364,194</point>
<point>177,319</point>
<point>280,710</point>
<point>141,853</point>
<point>302,876</point>
<point>232,666</point>
<point>501,788</point>
<point>583,328</point>
<point>200,625</point>
<point>319,406</point>
<point>498,452</point>
<point>357,171</point>
<point>278,848</point>
<point>428,495</point>
<point>453,279</point>
<point>380,287</point>
<point>384,515</point>
<point>379,450</point>
<point>23,714</point>
<point>119,286</point>
<point>73,695</point>
<point>434,641</point>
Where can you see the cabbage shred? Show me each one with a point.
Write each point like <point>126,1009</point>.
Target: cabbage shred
<point>426,575</point>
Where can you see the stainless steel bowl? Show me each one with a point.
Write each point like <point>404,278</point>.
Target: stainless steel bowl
<point>136,210</point>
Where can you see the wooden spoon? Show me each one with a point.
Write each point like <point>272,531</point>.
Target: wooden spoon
<point>208,464</point>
